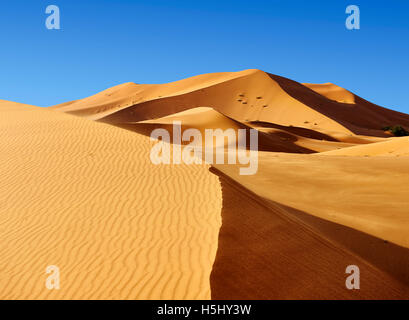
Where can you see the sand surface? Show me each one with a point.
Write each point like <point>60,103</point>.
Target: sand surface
<point>362,193</point>
<point>84,196</point>
<point>395,147</point>
<point>266,253</point>
<point>79,191</point>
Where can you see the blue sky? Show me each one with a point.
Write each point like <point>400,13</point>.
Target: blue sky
<point>103,43</point>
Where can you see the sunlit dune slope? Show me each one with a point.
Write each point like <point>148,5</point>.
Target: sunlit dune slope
<point>393,147</point>
<point>345,204</point>
<point>84,196</point>
<point>332,92</point>
<point>364,193</point>
<point>250,95</point>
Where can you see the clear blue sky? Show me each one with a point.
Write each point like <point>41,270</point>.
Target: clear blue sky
<point>103,43</point>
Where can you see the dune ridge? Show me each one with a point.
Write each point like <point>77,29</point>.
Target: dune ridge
<point>249,95</point>
<point>267,252</point>
<point>325,194</point>
<point>84,196</point>
<point>294,120</point>
<point>332,92</point>
<point>360,192</point>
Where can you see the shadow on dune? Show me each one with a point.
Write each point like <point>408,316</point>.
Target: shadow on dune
<point>266,253</point>
<point>362,117</point>
<point>303,132</point>
<point>266,142</point>
<point>383,254</point>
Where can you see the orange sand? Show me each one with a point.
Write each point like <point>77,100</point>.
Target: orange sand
<point>329,192</point>
<point>84,196</point>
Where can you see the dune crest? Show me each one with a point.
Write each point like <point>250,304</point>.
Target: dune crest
<point>332,92</point>
<point>84,196</point>
<point>249,95</point>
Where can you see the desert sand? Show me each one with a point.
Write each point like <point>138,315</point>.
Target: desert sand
<point>85,197</point>
<point>80,191</point>
<point>267,252</point>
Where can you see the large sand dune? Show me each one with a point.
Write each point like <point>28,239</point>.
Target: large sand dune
<point>84,195</point>
<point>267,252</point>
<point>360,192</point>
<point>250,95</point>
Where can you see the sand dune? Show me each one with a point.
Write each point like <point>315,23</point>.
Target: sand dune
<point>356,203</point>
<point>332,92</point>
<point>84,196</point>
<point>360,192</point>
<point>203,118</point>
<point>250,95</point>
<point>394,147</point>
<point>311,140</point>
<point>362,117</point>
<point>265,253</point>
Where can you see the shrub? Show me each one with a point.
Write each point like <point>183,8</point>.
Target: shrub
<point>396,130</point>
